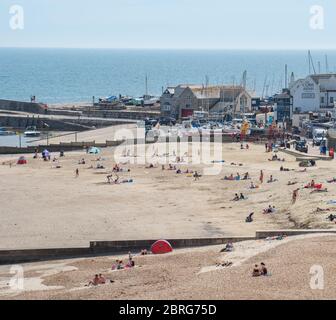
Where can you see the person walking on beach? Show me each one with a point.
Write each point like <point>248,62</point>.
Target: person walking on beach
<point>261,179</point>
<point>77,173</point>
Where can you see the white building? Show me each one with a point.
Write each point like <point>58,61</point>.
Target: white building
<point>316,93</point>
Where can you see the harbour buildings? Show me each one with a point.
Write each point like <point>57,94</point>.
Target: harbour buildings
<point>183,101</point>
<point>315,93</point>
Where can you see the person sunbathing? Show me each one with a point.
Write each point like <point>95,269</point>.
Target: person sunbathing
<point>230,178</point>
<point>290,183</point>
<point>150,166</point>
<point>178,171</point>
<point>270,209</point>
<point>332,181</point>
<point>224,265</point>
<point>320,190</point>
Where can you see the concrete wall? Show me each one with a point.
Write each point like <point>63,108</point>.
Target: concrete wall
<point>121,247</point>
<point>71,146</point>
<point>22,106</point>
<point>265,234</point>
<point>19,122</point>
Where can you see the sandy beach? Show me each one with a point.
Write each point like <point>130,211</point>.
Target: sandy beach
<point>177,275</point>
<point>43,207</point>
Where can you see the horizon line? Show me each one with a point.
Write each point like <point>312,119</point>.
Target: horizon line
<point>167,49</point>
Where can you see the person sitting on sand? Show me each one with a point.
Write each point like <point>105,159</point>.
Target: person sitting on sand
<point>178,171</point>
<point>171,167</point>
<point>271,179</point>
<point>116,168</point>
<point>228,247</point>
<point>290,183</point>
<point>238,177</point>
<point>253,186</point>
<point>95,281</point>
<point>256,271</point>
<point>247,146</point>
<point>118,265</point>
<point>230,178</point>
<point>249,219</point>
<point>196,176</point>
<point>236,198</point>
<point>101,279</point>
<point>246,176</point>
<point>100,166</point>
<point>331,218</point>
<point>144,252</point>
<point>242,197</point>
<point>109,178</point>
<point>263,269</point>
<point>274,158</point>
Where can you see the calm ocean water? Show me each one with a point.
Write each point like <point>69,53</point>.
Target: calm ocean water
<point>73,75</point>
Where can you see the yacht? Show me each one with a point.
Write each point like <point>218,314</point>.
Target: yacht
<point>32,132</point>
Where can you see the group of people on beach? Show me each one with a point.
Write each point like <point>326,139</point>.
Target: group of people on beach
<point>259,271</point>
<point>238,177</point>
<point>99,279</point>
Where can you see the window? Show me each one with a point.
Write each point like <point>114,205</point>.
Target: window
<point>322,100</point>
<point>166,107</point>
<point>331,100</point>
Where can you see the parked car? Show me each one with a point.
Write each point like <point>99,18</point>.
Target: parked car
<point>167,121</point>
<point>301,146</point>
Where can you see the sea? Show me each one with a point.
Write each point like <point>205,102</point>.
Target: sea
<point>57,76</point>
<point>76,75</point>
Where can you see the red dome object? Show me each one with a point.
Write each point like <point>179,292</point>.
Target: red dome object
<point>22,160</point>
<point>161,247</point>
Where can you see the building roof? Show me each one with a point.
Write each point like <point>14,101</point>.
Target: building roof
<point>324,76</point>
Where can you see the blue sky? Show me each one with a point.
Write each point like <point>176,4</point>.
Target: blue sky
<point>175,24</point>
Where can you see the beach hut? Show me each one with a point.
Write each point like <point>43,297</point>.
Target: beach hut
<point>94,150</point>
<point>22,160</point>
<point>161,247</point>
